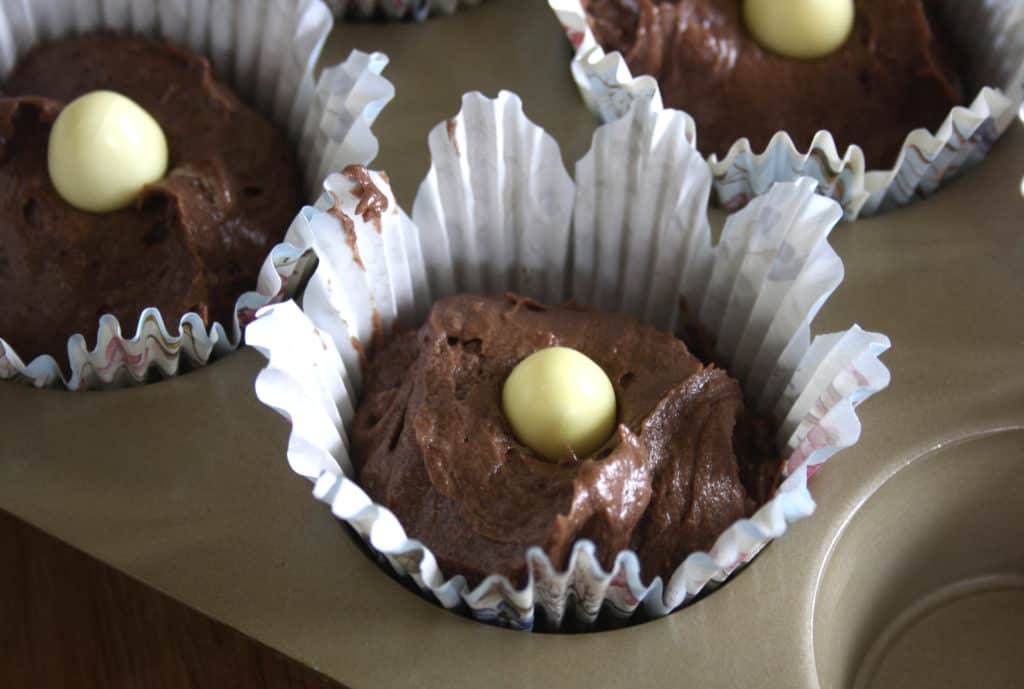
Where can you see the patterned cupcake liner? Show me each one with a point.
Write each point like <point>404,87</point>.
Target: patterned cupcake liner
<point>267,50</point>
<point>397,9</point>
<point>498,211</point>
<point>991,34</point>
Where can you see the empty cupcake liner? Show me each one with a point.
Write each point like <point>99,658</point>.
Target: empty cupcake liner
<point>397,9</point>
<point>990,34</point>
<point>267,50</point>
<point>498,211</point>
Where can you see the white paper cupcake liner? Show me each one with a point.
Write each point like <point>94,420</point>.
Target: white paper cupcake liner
<point>267,50</point>
<point>1020,116</point>
<point>498,211</point>
<point>397,9</point>
<point>989,32</point>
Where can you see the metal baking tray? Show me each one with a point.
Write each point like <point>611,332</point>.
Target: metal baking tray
<point>911,574</point>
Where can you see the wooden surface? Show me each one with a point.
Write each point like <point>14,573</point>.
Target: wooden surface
<point>68,621</point>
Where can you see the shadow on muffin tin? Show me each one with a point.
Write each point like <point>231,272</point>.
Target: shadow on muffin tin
<point>606,621</point>
<point>924,585</point>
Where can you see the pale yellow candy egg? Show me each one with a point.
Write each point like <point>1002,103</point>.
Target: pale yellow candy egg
<point>803,29</point>
<point>558,398</point>
<point>104,148</point>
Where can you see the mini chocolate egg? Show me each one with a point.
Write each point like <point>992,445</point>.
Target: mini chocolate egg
<point>560,403</point>
<point>103,149</point>
<point>802,29</point>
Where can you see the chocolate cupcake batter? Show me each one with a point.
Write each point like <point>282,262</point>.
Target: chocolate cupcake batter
<point>894,74</point>
<point>430,441</point>
<point>194,241</point>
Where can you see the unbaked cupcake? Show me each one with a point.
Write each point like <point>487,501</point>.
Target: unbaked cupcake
<point>187,247</point>
<point>864,110</point>
<point>503,423</point>
<point>499,213</point>
<point>191,241</point>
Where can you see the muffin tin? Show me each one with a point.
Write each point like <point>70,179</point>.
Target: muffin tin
<point>910,573</point>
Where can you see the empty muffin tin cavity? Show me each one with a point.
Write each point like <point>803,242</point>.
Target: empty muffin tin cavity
<point>924,586</point>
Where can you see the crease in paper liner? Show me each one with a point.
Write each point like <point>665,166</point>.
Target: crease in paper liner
<point>397,9</point>
<point>499,211</point>
<point>1020,116</point>
<point>993,28</point>
<point>267,50</point>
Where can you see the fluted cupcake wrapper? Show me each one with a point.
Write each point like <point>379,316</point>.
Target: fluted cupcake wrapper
<point>267,50</point>
<point>992,32</point>
<point>397,9</point>
<point>498,211</point>
<point>1020,116</point>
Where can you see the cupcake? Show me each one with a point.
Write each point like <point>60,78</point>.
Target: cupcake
<point>503,423</point>
<point>764,90</point>
<point>146,190</point>
<point>392,369</point>
<point>396,9</point>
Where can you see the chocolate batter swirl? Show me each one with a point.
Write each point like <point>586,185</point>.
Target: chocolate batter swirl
<point>194,241</point>
<point>431,442</point>
<point>893,75</point>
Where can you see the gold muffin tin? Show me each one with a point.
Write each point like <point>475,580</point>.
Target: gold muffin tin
<point>910,574</point>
